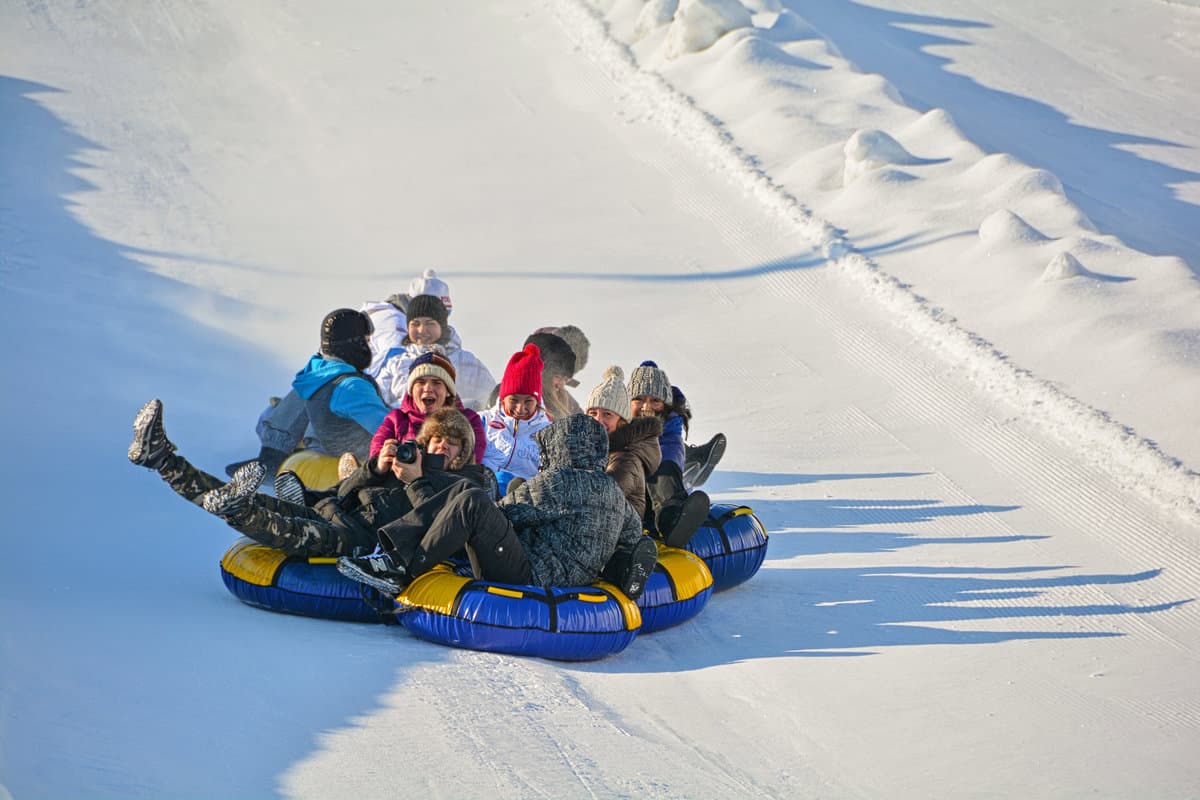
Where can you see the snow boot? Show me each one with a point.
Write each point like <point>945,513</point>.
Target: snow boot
<point>699,460</point>
<point>233,499</point>
<point>639,565</point>
<point>347,465</point>
<point>150,446</point>
<point>289,487</point>
<point>383,571</point>
<point>269,457</point>
<point>678,523</point>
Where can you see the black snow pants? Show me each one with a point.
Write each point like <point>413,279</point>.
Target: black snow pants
<point>459,517</point>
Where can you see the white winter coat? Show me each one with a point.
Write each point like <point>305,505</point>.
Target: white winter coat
<point>391,326</point>
<point>510,444</point>
<point>472,379</point>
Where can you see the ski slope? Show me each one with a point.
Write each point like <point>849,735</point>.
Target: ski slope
<point>977,463</point>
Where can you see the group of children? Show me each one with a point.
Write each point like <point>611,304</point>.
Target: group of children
<point>369,390</point>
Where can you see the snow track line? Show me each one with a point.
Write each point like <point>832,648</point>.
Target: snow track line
<point>1130,461</point>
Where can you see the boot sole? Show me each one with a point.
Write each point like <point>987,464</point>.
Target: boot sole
<point>642,562</point>
<point>355,573</point>
<point>245,483</point>
<point>697,474</point>
<point>143,427</point>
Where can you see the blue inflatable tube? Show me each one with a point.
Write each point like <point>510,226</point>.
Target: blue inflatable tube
<point>678,589</point>
<point>264,577</point>
<point>732,542</point>
<point>580,623</point>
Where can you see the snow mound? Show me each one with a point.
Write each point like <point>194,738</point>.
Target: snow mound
<point>1064,266</point>
<point>868,150</point>
<point>698,24</point>
<point>653,16</point>
<point>1003,227</point>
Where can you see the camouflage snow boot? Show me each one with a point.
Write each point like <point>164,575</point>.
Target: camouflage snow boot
<point>150,446</point>
<point>233,499</point>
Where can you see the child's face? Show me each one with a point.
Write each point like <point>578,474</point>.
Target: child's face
<point>519,406</point>
<point>442,445</point>
<point>608,419</point>
<point>424,330</point>
<point>646,406</point>
<point>429,393</point>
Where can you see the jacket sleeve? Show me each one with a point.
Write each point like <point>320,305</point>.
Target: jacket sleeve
<point>481,442</point>
<point>631,530</point>
<point>357,399</point>
<point>518,506</point>
<point>393,377</point>
<point>390,329</point>
<point>627,471</point>
<point>388,429</point>
<point>671,440</point>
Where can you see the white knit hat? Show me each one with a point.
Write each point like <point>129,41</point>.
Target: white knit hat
<point>611,394</point>
<point>429,283</point>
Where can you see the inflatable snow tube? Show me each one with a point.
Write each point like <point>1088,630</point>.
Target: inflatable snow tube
<point>315,470</point>
<point>579,623</point>
<point>678,589</point>
<point>264,577</point>
<point>732,542</point>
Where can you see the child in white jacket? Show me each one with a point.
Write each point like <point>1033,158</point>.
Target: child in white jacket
<point>517,416</point>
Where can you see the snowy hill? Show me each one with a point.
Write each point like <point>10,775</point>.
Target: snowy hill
<point>930,266</point>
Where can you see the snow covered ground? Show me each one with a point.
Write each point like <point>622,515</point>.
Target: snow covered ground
<point>931,266</point>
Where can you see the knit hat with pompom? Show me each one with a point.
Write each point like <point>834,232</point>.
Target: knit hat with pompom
<point>611,394</point>
<point>648,380</point>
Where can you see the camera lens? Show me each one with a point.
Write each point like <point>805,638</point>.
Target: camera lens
<point>406,452</point>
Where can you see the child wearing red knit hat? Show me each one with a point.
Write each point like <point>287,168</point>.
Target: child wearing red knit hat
<point>509,425</point>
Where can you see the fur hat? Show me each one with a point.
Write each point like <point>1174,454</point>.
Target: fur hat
<point>557,355</point>
<point>611,394</point>
<point>648,379</point>
<point>450,423</point>
<point>523,375</point>
<point>433,365</point>
<point>429,283</point>
<point>344,336</point>
<point>426,305</point>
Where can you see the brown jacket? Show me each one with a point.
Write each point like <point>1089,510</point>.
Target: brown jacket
<point>633,456</point>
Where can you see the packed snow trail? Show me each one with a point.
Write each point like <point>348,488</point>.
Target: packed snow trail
<point>951,601</point>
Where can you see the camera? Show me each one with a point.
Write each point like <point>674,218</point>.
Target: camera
<point>406,452</point>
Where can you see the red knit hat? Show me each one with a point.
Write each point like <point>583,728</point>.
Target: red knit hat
<point>523,375</point>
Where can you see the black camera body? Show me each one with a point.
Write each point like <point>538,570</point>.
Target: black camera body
<point>406,453</point>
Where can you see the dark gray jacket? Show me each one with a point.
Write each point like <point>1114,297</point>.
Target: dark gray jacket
<point>571,515</point>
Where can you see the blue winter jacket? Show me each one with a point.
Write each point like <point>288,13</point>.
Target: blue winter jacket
<point>353,398</point>
<point>671,440</point>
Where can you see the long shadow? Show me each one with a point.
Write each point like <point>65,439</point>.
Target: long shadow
<point>787,611</point>
<point>1131,196</point>
<point>127,670</point>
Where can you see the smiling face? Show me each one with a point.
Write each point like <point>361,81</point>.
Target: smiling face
<point>519,406</point>
<point>610,420</point>
<point>424,330</point>
<point>429,393</point>
<point>646,406</point>
<point>446,446</point>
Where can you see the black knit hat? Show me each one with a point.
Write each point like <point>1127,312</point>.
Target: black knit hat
<point>426,305</point>
<point>345,334</point>
<point>557,355</point>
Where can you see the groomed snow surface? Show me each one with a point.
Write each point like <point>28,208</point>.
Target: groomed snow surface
<point>931,266</point>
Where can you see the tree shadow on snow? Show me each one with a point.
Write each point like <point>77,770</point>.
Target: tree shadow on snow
<point>128,669</point>
<point>1000,121</point>
<point>856,611</point>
